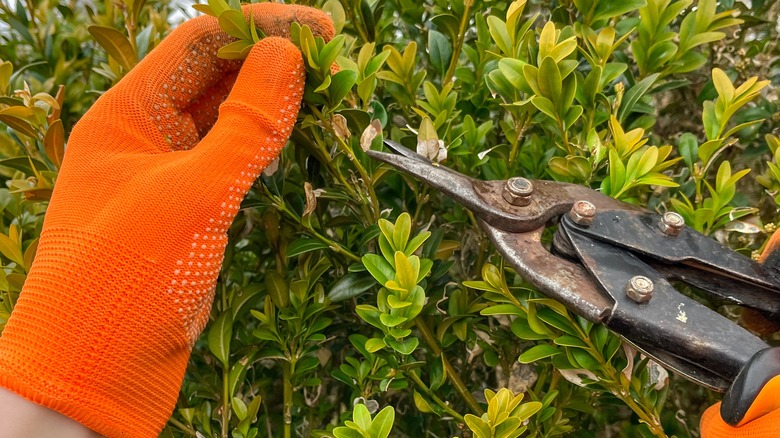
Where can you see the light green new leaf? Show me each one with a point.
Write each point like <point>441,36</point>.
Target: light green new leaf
<point>403,225</point>
<point>234,24</point>
<point>235,50</point>
<point>337,14</point>
<point>382,423</point>
<point>538,352</point>
<point>499,33</point>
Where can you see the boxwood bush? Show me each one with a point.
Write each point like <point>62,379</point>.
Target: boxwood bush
<point>667,104</point>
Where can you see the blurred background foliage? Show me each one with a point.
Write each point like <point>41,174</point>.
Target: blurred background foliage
<point>356,302</point>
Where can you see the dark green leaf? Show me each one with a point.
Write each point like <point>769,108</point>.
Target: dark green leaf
<point>340,85</point>
<point>349,286</point>
<point>439,51</point>
<point>303,245</point>
<point>219,336</point>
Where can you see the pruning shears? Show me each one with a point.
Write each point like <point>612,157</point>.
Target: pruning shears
<point>612,263</point>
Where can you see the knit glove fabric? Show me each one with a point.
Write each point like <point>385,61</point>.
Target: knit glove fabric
<point>133,240</point>
<point>713,426</point>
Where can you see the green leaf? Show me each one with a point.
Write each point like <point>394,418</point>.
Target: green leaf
<point>383,423</point>
<point>609,9</point>
<point>549,80</point>
<point>6,70</point>
<point>406,347</point>
<point>478,426</point>
<point>391,320</point>
<point>253,31</point>
<point>251,412</point>
<point>324,85</point>
<point>337,14</point>
<point>448,24</point>
<point>234,24</point>
<point>370,314</point>
<point>374,344</point>
<point>11,250</point>
<point>54,142</point>
<point>538,352</point>
<point>401,231</point>
<point>205,9</point>
<point>346,432</point>
<point>235,50</point>
<point>330,52</point>
<point>303,245</point>
<point>502,309</point>
<point>361,416</point>
<point>688,148</point>
<point>439,51</point>
<point>277,289</point>
<point>633,95</point>
<point>545,105</point>
<point>218,7</point>
<point>115,43</point>
<point>570,341</point>
<point>416,242</point>
<point>521,329</point>
<point>19,118</point>
<point>395,303</point>
<point>379,268</point>
<point>585,360</point>
<point>422,404</point>
<point>350,286</point>
<point>341,83</point>
<point>219,336</point>
<point>723,84</point>
<point>239,407</point>
<point>405,273</point>
<point>499,34</point>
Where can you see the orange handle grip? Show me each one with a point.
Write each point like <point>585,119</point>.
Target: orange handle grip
<point>756,390</point>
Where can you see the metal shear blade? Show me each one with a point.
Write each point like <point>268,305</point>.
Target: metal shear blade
<point>517,230</point>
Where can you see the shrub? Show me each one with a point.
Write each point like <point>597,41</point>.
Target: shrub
<point>654,102</point>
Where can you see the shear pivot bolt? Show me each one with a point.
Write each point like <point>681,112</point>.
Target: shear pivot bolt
<point>671,223</point>
<point>582,213</point>
<point>518,191</point>
<point>640,289</point>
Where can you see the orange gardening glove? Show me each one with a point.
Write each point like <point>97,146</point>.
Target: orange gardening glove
<point>134,236</point>
<point>762,411</point>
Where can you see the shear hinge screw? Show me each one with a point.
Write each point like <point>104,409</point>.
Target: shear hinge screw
<point>640,289</point>
<point>518,191</point>
<point>582,213</point>
<point>671,223</point>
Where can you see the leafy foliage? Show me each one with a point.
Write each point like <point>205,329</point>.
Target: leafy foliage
<point>347,284</point>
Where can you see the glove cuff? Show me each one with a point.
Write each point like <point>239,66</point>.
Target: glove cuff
<point>96,336</point>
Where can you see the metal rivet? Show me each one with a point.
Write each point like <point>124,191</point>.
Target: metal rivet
<point>640,289</point>
<point>582,213</point>
<point>518,191</point>
<point>671,223</point>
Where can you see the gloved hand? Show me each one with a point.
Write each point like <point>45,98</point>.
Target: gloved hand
<point>754,398</point>
<point>134,236</point>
